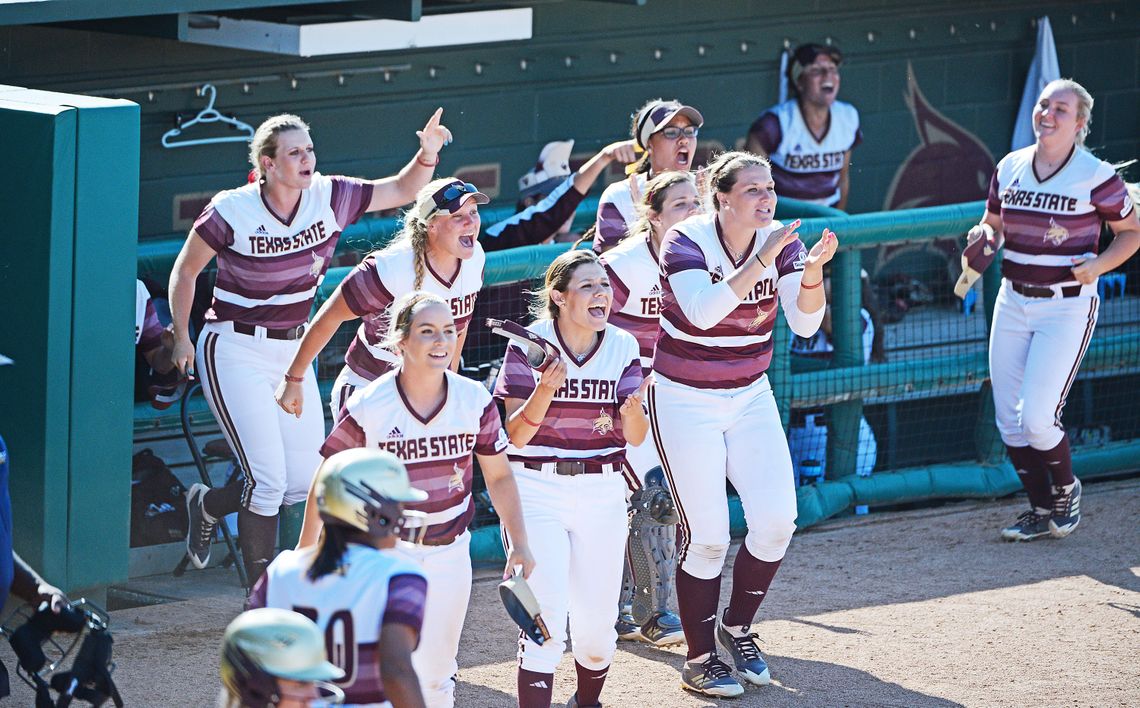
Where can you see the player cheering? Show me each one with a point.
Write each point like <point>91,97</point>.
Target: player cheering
<point>667,132</point>
<point>712,409</point>
<point>635,274</point>
<point>369,604</point>
<point>437,250</point>
<point>809,138</point>
<point>1047,203</point>
<point>275,657</point>
<point>568,427</point>
<point>273,239</point>
<point>434,420</point>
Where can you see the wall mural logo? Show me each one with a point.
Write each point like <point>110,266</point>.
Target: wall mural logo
<point>950,165</point>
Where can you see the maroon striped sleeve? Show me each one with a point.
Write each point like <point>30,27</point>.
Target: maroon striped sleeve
<point>346,435</point>
<point>363,291</point>
<point>611,227</point>
<point>993,199</point>
<point>767,131</point>
<point>621,291</point>
<point>213,229</point>
<point>791,259</point>
<point>491,440</point>
<point>680,253</point>
<point>407,595</point>
<point>630,380</point>
<point>350,198</point>
<point>516,379</point>
<point>151,335</point>
<point>1111,199</point>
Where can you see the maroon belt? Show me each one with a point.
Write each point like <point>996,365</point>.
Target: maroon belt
<point>288,334</point>
<point>1039,291</point>
<point>571,467</point>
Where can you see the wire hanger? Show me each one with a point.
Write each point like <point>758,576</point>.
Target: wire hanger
<point>207,115</point>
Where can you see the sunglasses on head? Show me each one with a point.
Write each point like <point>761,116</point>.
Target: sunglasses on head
<point>673,133</point>
<point>453,191</point>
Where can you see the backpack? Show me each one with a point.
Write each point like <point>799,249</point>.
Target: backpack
<point>158,502</point>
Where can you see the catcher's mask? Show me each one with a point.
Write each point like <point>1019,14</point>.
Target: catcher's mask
<point>267,644</point>
<point>365,490</point>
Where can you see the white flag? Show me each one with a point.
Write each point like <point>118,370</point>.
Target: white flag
<point>1043,70</point>
<point>783,95</point>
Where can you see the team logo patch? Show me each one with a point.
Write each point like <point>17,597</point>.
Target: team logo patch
<point>761,315</point>
<point>604,423</point>
<point>1056,234</point>
<point>1127,206</point>
<point>395,434</point>
<point>717,274</point>
<point>801,258</point>
<point>318,266</point>
<point>455,483</point>
<point>655,291</point>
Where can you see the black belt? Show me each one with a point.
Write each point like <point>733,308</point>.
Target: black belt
<point>1039,291</point>
<point>570,467</point>
<point>288,334</point>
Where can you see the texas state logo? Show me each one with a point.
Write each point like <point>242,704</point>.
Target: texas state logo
<point>604,423</point>
<point>1056,234</point>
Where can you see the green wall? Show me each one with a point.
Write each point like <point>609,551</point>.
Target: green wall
<point>970,59</point>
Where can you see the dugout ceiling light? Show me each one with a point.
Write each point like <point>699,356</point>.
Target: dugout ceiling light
<point>327,36</point>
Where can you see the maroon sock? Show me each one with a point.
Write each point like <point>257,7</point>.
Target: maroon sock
<point>697,601</point>
<point>590,682</point>
<point>1033,475</point>
<point>1059,463</point>
<point>534,689</point>
<point>750,580</point>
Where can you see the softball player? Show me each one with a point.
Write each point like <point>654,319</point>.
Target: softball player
<point>434,420</point>
<point>568,429</point>
<point>273,240</point>
<point>712,409</point>
<point>809,138</point>
<point>436,251</point>
<point>635,275</point>
<point>274,657</point>
<point>368,602</point>
<point>1047,203</point>
<point>667,132</point>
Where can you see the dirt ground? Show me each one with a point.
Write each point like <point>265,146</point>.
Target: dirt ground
<point>919,608</point>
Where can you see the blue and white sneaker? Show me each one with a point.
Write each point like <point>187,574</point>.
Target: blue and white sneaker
<point>1066,510</point>
<point>740,645</point>
<point>626,627</point>
<point>1030,525</point>
<point>663,629</point>
<point>709,675</point>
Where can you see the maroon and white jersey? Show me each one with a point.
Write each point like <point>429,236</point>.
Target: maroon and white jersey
<point>148,330</point>
<point>583,422</point>
<point>386,275</point>
<point>635,275</point>
<point>616,211</point>
<point>709,337</point>
<point>269,269</point>
<point>1050,220</point>
<point>802,166</point>
<point>350,606</point>
<point>436,450</point>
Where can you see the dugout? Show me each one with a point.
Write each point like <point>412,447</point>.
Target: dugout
<point>585,65</point>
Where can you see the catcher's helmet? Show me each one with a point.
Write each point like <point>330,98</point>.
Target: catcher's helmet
<point>266,644</point>
<point>364,489</point>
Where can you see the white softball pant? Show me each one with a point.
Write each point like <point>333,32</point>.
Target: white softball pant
<point>576,526</point>
<point>279,452</point>
<point>707,435</point>
<point>448,572</point>
<point>1036,347</point>
<point>347,381</point>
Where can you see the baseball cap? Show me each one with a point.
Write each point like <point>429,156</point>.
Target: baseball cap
<point>806,54</point>
<point>450,197</point>
<point>656,116</point>
<point>552,168</point>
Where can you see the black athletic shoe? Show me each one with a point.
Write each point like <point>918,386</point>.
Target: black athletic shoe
<point>745,655</point>
<point>710,676</point>
<point>201,530</point>
<point>1066,510</point>
<point>1030,525</point>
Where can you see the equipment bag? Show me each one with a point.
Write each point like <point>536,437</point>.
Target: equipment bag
<point>158,502</point>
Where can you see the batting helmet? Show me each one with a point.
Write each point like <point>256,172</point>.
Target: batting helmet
<point>267,644</point>
<point>364,489</point>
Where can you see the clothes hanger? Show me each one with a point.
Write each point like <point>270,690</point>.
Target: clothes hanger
<point>207,115</point>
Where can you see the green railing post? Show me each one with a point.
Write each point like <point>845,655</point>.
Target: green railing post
<point>847,338</point>
<point>780,370</point>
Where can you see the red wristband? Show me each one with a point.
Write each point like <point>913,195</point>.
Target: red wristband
<point>425,163</point>
<point>811,287</point>
<point>528,421</point>
<point>294,379</point>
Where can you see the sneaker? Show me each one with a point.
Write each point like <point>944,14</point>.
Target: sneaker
<point>201,530</point>
<point>745,654</point>
<point>573,703</point>
<point>1030,525</point>
<point>663,629</point>
<point>1066,510</point>
<point>710,676</point>
<point>626,627</point>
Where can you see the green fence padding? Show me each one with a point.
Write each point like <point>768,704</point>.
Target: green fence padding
<point>883,227</point>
